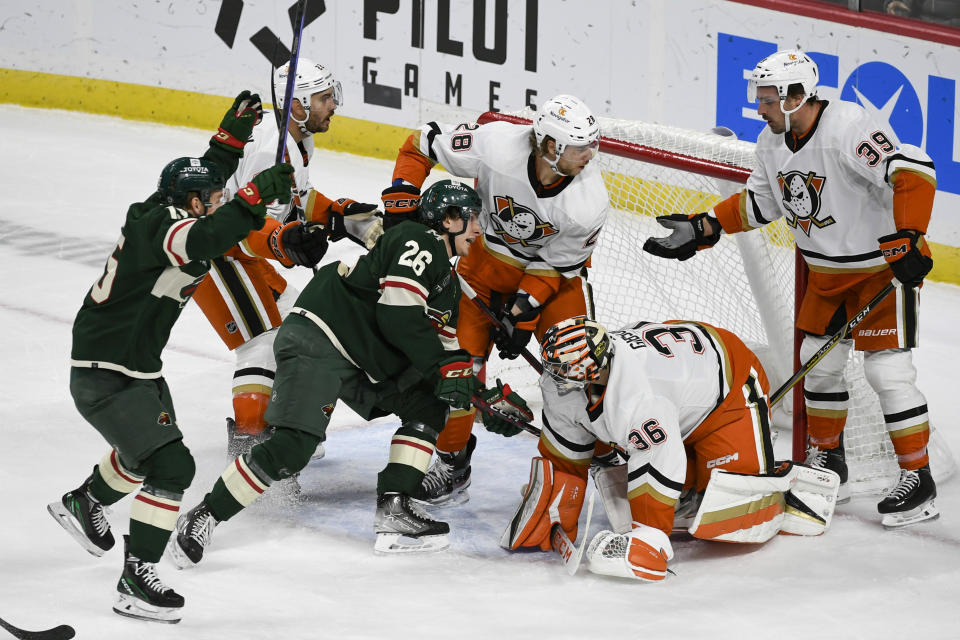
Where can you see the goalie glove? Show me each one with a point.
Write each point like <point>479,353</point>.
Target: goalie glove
<point>299,243</point>
<point>502,398</point>
<point>902,252</point>
<point>238,123</point>
<point>641,554</point>
<point>689,235</point>
<point>400,202</point>
<point>519,326</point>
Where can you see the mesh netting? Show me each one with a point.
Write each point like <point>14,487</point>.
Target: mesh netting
<point>745,283</point>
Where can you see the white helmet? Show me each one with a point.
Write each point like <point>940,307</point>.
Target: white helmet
<point>311,78</point>
<point>782,69</point>
<point>568,121</point>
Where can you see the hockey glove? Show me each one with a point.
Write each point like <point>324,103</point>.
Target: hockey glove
<point>301,243</point>
<point>688,236</point>
<point>345,208</point>
<point>519,326</point>
<point>457,384</point>
<point>272,184</point>
<point>506,401</point>
<point>400,202</point>
<point>238,123</point>
<point>902,251</point>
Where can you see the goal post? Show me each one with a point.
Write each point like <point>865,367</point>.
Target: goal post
<point>749,283</point>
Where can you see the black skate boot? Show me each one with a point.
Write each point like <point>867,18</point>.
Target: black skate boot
<point>448,477</point>
<point>911,501</point>
<point>402,526</point>
<point>84,519</point>
<point>834,460</point>
<point>193,534</point>
<point>240,443</point>
<point>141,594</point>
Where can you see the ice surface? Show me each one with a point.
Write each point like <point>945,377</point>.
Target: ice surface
<point>307,569</point>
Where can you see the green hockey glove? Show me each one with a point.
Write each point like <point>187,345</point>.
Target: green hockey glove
<point>506,401</point>
<point>457,384</point>
<point>238,123</point>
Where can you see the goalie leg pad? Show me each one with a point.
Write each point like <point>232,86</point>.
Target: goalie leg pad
<point>611,483</point>
<point>551,497</point>
<point>741,508</point>
<point>810,501</point>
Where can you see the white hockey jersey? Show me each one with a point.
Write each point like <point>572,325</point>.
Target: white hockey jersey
<point>665,379</point>
<point>834,191</point>
<point>260,153</point>
<point>552,228</point>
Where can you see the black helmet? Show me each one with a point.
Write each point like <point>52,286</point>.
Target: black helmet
<point>440,197</point>
<point>183,175</point>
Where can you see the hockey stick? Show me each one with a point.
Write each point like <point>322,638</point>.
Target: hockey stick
<point>63,632</point>
<point>520,423</point>
<point>291,79</point>
<point>498,325</point>
<point>564,546</point>
<point>844,331</point>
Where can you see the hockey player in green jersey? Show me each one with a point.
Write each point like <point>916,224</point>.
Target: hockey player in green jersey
<point>119,333</point>
<point>381,337</point>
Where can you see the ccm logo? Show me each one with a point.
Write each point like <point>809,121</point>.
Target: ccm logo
<point>893,252</point>
<point>458,373</point>
<point>722,460</point>
<point>404,203</point>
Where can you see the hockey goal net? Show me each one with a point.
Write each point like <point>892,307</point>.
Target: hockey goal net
<point>746,283</point>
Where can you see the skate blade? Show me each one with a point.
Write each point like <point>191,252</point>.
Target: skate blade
<point>66,520</point>
<point>130,607</point>
<point>177,556</point>
<point>843,494</point>
<point>460,496</point>
<point>389,543</point>
<point>922,513</point>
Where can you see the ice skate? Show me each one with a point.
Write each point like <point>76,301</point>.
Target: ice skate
<point>240,442</point>
<point>448,477</point>
<point>142,595</point>
<point>192,536</point>
<point>84,519</point>
<point>402,526</point>
<point>833,460</point>
<point>911,501</point>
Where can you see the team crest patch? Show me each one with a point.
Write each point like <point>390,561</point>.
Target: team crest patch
<point>164,419</point>
<point>801,196</point>
<point>517,224</point>
<point>327,410</point>
<point>438,319</point>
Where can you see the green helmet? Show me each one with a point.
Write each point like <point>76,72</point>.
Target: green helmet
<point>184,175</point>
<point>440,197</point>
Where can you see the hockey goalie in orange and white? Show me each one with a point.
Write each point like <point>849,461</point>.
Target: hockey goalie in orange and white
<point>686,403</point>
<point>244,297</point>
<point>544,205</point>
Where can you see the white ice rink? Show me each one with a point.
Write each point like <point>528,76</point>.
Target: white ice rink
<point>307,570</point>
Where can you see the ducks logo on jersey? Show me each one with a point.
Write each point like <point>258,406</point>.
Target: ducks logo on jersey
<point>801,198</point>
<point>517,224</point>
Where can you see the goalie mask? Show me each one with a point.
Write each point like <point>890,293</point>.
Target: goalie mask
<point>185,175</point>
<point>311,78</point>
<point>780,70</point>
<point>569,122</point>
<point>575,352</point>
<point>443,198</point>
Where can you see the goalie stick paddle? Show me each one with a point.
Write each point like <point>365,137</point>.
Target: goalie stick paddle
<point>844,331</point>
<point>564,546</point>
<point>487,311</point>
<point>63,632</point>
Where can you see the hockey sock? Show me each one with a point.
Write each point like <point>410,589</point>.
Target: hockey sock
<point>410,452</point>
<point>111,481</point>
<point>153,516</point>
